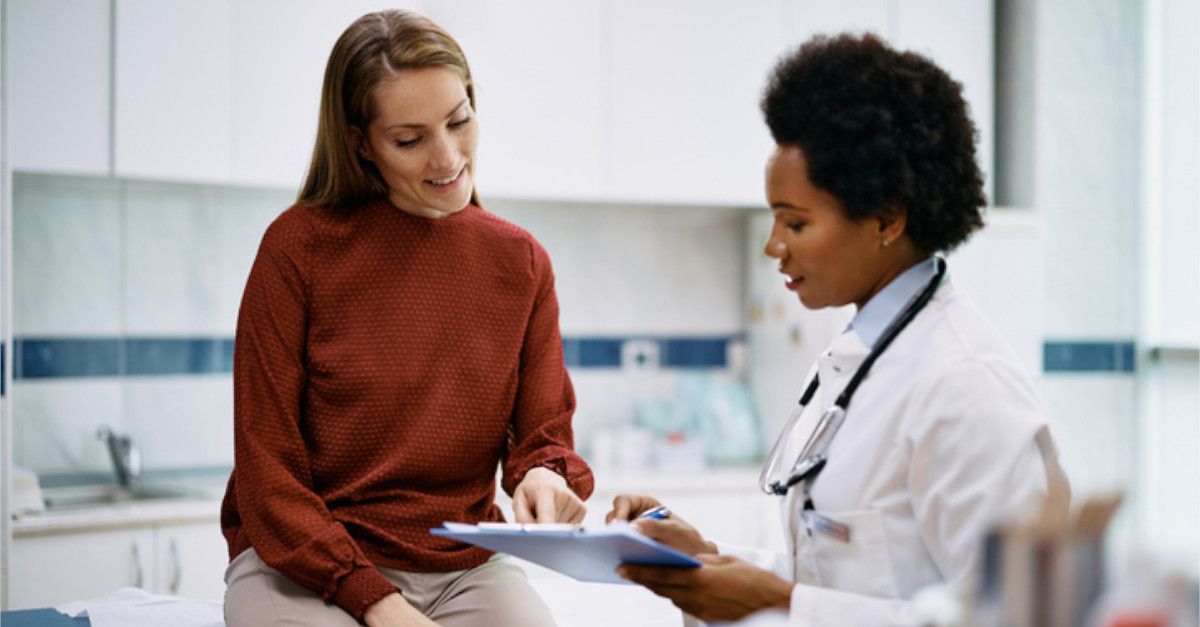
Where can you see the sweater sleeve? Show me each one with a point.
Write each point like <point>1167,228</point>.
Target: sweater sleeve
<point>541,432</point>
<point>280,514</point>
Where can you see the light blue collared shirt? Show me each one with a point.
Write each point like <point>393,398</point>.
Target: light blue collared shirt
<point>871,321</point>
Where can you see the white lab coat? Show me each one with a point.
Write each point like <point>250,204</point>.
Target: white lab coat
<point>944,438</point>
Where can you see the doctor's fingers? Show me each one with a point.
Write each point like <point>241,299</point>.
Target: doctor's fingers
<point>724,588</point>
<point>675,533</point>
<point>628,506</point>
<point>660,579</point>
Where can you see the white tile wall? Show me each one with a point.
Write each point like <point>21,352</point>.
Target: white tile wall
<point>630,269</point>
<point>1086,177</point>
<point>181,421</point>
<point>55,422</point>
<point>67,242</point>
<point>144,259</point>
<point>109,258</point>
<point>242,216</point>
<point>1167,450</point>
<point>171,249</point>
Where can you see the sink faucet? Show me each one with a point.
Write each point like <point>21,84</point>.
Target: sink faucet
<point>126,457</point>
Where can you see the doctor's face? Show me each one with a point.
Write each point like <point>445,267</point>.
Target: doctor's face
<point>422,139</point>
<point>828,259</point>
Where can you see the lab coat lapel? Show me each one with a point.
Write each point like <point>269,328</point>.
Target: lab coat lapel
<point>838,365</point>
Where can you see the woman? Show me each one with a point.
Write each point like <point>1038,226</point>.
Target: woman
<point>873,173</point>
<point>395,344</point>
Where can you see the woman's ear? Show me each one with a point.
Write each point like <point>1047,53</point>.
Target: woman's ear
<point>358,143</point>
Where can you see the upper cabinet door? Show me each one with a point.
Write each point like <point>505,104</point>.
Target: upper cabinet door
<point>959,37</point>
<point>686,78</point>
<point>59,79</point>
<point>541,93</point>
<point>280,48</point>
<point>174,89</point>
<point>805,18</point>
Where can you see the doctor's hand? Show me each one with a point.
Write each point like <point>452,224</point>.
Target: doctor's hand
<point>543,497</point>
<point>723,588</point>
<point>672,531</point>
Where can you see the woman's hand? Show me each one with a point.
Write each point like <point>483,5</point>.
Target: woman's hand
<point>723,588</point>
<point>543,497</point>
<point>672,531</point>
<point>393,611</point>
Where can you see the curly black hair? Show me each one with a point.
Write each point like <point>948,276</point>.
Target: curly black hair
<point>881,129</point>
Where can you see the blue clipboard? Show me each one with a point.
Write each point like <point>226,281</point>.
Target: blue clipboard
<point>582,554</point>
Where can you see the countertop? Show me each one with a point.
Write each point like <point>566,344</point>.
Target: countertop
<point>201,492</point>
<point>206,487</point>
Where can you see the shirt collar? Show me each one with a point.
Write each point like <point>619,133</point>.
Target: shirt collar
<point>871,321</point>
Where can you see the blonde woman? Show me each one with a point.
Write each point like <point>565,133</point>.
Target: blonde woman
<point>395,344</point>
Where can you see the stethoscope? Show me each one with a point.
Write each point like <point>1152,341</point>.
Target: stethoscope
<point>813,456</point>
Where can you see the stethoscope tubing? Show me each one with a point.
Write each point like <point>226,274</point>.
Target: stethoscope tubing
<point>812,457</point>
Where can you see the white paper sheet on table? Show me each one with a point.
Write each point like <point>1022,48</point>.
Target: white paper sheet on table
<point>583,554</point>
<point>134,607</point>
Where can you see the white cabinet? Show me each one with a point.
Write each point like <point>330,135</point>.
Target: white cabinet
<point>686,80</point>
<point>184,559</point>
<point>958,36</point>
<point>618,100</point>
<point>54,569</point>
<point>658,102</point>
<point>279,52</point>
<point>540,86</point>
<point>59,85</point>
<point>190,561</point>
<point>173,64</point>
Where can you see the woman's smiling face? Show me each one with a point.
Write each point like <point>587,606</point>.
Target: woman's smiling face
<point>829,259</point>
<point>422,139</point>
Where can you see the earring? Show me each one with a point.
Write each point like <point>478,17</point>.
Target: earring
<point>885,243</point>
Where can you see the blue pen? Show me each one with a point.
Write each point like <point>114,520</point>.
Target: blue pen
<point>659,512</point>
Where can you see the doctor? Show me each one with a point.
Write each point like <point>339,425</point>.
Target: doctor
<point>918,430</point>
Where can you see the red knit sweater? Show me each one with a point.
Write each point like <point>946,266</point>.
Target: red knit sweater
<point>384,365</point>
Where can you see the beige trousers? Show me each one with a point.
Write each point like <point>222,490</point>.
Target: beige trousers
<point>494,593</point>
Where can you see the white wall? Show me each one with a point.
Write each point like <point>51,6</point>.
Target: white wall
<point>1168,393</point>
<point>102,258</point>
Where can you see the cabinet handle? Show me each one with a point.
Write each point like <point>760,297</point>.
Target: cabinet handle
<point>176,567</point>
<point>137,566</point>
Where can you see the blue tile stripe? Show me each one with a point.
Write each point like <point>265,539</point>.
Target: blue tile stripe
<point>692,352</point>
<point>1096,356</point>
<point>592,352</point>
<point>39,358</point>
<point>76,357</point>
<point>36,358</point>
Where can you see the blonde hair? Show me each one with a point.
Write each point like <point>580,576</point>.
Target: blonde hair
<point>372,49</point>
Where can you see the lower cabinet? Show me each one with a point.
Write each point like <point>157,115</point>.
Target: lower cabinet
<point>186,560</point>
<point>190,561</point>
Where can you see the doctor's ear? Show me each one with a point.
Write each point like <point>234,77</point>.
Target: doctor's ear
<point>892,224</point>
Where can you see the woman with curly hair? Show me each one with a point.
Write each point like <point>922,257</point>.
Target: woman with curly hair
<point>918,430</point>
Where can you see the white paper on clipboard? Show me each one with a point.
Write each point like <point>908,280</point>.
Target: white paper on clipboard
<point>583,554</point>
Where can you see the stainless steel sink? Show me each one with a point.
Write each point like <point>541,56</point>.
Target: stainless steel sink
<point>91,495</point>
